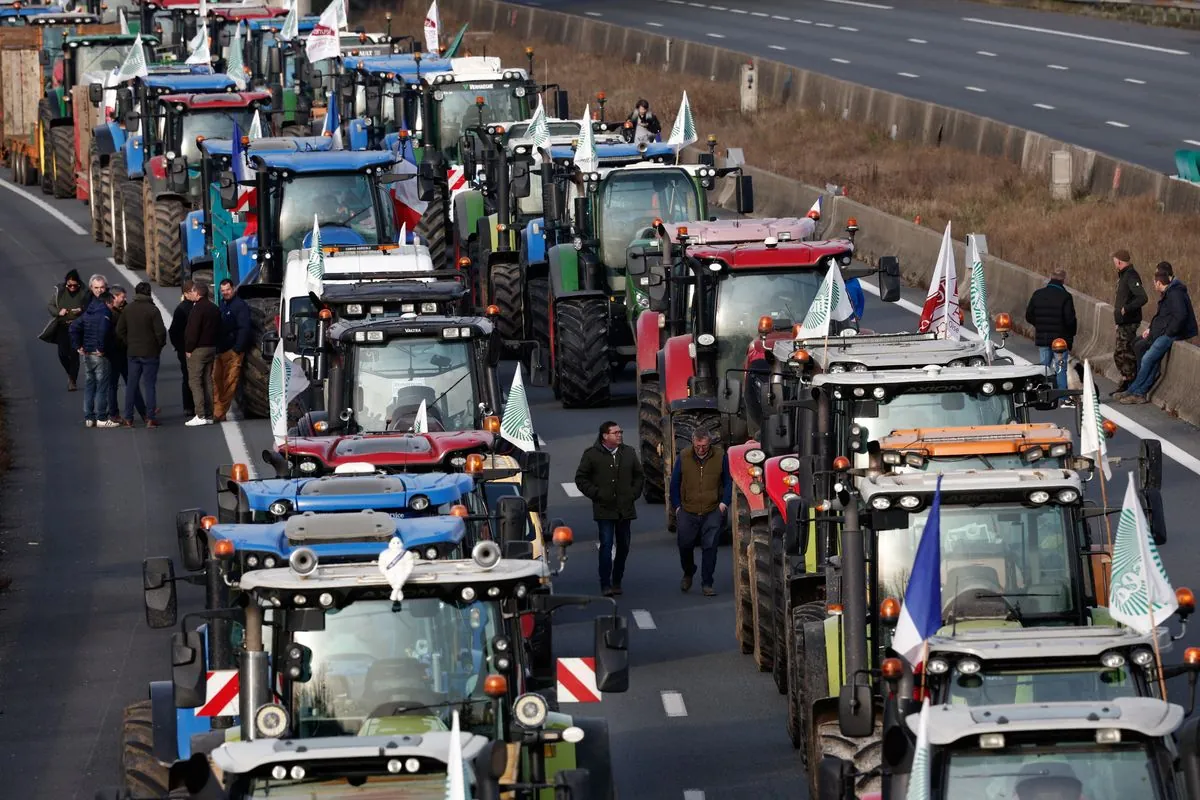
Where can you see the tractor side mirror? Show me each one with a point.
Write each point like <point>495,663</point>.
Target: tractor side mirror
<point>188,668</point>
<point>835,779</point>
<point>512,514</point>
<point>374,101</point>
<point>177,176</point>
<point>1150,464</point>
<point>1152,504</point>
<point>291,331</point>
<point>95,93</point>
<point>795,530</point>
<point>856,709</point>
<point>539,366</point>
<point>192,544</point>
<point>635,258</point>
<point>427,182</point>
<point>729,396</point>
<point>227,188</point>
<point>518,182</point>
<point>889,279</point>
<point>562,104</point>
<point>158,592</point>
<point>776,435</point>
<point>745,193</point>
<point>274,66</point>
<point>612,653</point>
<point>535,482</point>
<point>706,160</point>
<point>131,120</point>
<point>554,201</point>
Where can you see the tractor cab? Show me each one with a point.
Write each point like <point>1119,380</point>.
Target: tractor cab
<point>380,95</point>
<point>282,69</point>
<point>55,26</point>
<point>474,91</point>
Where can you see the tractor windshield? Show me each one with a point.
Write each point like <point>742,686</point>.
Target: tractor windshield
<point>998,560</point>
<point>1066,769</point>
<point>743,297</point>
<point>373,666</point>
<point>1071,684</point>
<point>349,201</point>
<point>458,109</point>
<point>211,125</point>
<point>99,59</point>
<point>631,200</point>
<point>392,380</point>
<point>927,409</point>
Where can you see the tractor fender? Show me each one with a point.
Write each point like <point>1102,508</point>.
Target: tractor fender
<point>563,262</point>
<point>773,477</point>
<point>468,209</point>
<point>134,156</point>
<point>594,754</point>
<point>191,234</point>
<point>164,719</point>
<point>241,256</point>
<point>648,334</point>
<point>358,134</point>
<point>739,470</point>
<point>678,365</point>
<point>107,138</point>
<point>534,241</point>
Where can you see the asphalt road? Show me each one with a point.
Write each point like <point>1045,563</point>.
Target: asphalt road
<point>81,508</point>
<point>1120,88</point>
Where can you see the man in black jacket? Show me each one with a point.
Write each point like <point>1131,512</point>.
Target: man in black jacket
<point>1127,314</point>
<point>643,125</point>
<point>1051,312</point>
<point>610,475</point>
<point>141,329</point>
<point>1174,320</point>
<point>200,341</point>
<point>179,320</point>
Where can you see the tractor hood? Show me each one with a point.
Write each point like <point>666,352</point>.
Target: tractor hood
<point>398,451</point>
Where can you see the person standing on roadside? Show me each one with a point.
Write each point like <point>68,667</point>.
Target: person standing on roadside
<point>1051,312</point>
<point>142,331</point>
<point>235,341</point>
<point>118,361</point>
<point>98,285</point>
<point>1127,314</point>
<point>179,320</point>
<point>1175,320</point>
<point>610,475</point>
<point>701,488</point>
<point>70,298</point>
<point>89,335</point>
<point>200,345</point>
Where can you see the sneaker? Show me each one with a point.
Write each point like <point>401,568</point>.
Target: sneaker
<point>152,423</point>
<point>89,423</point>
<point>709,591</point>
<point>196,421</point>
<point>107,423</point>
<point>1117,395</point>
<point>1133,400</point>
<point>686,583</point>
<point>1121,390</point>
<point>70,384</point>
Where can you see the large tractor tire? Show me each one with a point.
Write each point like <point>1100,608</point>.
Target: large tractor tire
<point>104,195</point>
<point>762,582</point>
<point>135,232</point>
<point>94,202</point>
<point>679,438</point>
<point>780,621</point>
<point>865,754</point>
<point>168,213</point>
<point>432,229</point>
<point>650,413</point>
<point>256,370</point>
<point>743,604</point>
<point>116,206</point>
<point>148,226</point>
<point>507,295</point>
<point>582,364</point>
<point>142,774</point>
<point>594,754</point>
<point>808,676</point>
<point>62,147</point>
<point>539,321</point>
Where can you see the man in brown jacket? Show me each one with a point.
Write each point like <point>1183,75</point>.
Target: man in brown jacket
<point>200,345</point>
<point>701,488</point>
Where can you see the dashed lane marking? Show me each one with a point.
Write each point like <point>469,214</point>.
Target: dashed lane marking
<point>1192,142</point>
<point>918,41</point>
<point>71,224</point>
<point>1057,66</point>
<point>847,28</point>
<point>1067,34</point>
<point>673,704</point>
<point>985,53</point>
<point>1135,81</point>
<point>974,89</point>
<point>738,11</point>
<point>572,490</point>
<point>907,75</point>
<point>759,14</point>
<point>825,25</point>
<point>642,618</point>
<point>839,61</point>
<point>803,21</point>
<point>655,24</point>
<point>716,35</point>
<point>1116,124</point>
<point>693,794</point>
<point>781,18</point>
<point>860,4</point>
<point>593,13</point>
<point>776,47</point>
<point>1043,105</point>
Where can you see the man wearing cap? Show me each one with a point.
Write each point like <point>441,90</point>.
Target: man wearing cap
<point>1127,314</point>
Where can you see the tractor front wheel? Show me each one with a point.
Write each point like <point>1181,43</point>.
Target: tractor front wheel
<point>168,262</point>
<point>432,229</point>
<point>62,146</point>
<point>256,370</point>
<point>94,202</point>
<point>651,434</point>
<point>134,221</point>
<point>743,595</point>
<point>142,774</point>
<point>807,675</point>
<point>581,326</point>
<point>507,295</point>
<point>105,200</point>
<point>116,206</point>
<point>763,589</point>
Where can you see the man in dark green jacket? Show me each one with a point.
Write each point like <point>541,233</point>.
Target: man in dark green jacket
<point>701,487</point>
<point>610,475</point>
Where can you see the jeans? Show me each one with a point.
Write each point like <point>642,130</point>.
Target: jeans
<point>200,378</point>
<point>613,532</point>
<point>1057,362</point>
<point>141,372</point>
<point>705,530</point>
<point>95,387</point>
<point>1148,369</point>
<point>118,371</point>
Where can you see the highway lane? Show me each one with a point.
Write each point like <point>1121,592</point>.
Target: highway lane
<point>1110,86</point>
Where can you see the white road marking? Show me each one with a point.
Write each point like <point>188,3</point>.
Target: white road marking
<point>780,18</point>
<point>572,490</point>
<point>825,25</point>
<point>918,41</point>
<point>642,618</point>
<point>1171,451</point>
<point>759,14</point>
<point>716,35</point>
<point>847,28</point>
<point>693,794</point>
<point>1069,35</point>
<point>718,8</point>
<point>738,11</point>
<point>860,4</point>
<point>655,24</point>
<point>1057,66</point>
<point>1116,124</point>
<point>673,704</point>
<point>839,60</point>
<point>974,89</point>
<point>776,47</point>
<point>71,224</point>
<point>1135,80</point>
<point>697,5</point>
<point>1192,142</point>
<point>676,2</point>
<point>593,13</point>
<point>803,21</point>
<point>985,53</point>
<point>907,75</point>
<point>1043,105</point>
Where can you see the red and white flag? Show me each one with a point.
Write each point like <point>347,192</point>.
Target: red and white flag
<point>941,313</point>
<point>433,29</point>
<point>406,200</point>
<point>324,42</point>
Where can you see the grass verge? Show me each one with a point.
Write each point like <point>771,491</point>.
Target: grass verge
<point>1145,15</point>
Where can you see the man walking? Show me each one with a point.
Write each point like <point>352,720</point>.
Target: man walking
<point>1174,320</point>
<point>1127,314</point>
<point>179,321</point>
<point>142,331</point>
<point>1051,312</point>
<point>700,493</point>
<point>200,344</point>
<point>235,340</point>
<point>89,335</point>
<point>610,475</point>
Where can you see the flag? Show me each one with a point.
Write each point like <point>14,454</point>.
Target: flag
<point>333,122</point>
<point>316,260</point>
<point>134,65</point>
<point>121,20</point>
<point>921,614</point>
<point>683,132</point>
<point>244,177</point>
<point>287,382</point>
<point>585,152</point>
<point>343,22</point>
<point>831,303</point>
<point>235,68</point>
<point>421,422</point>
<point>433,29</point>
<point>255,127</point>
<point>198,52</point>
<point>979,301</point>
<point>814,212</point>
<point>456,777</point>
<point>291,25</point>
<point>539,132</point>
<point>406,200</point>
<point>1092,442</point>
<point>402,237</point>
<point>919,779</point>
<point>1140,595</point>
<point>941,313</point>
<point>516,426</point>
<point>323,41</point>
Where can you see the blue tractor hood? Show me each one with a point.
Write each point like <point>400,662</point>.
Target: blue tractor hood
<point>332,161</point>
<point>190,83</point>
<point>402,494</point>
<point>272,144</point>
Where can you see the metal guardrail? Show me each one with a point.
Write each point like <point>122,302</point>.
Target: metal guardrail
<point>1186,5</point>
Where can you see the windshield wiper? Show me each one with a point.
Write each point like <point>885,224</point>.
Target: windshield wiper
<point>451,387</point>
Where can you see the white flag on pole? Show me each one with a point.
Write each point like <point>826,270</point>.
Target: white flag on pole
<point>235,67</point>
<point>516,426</point>
<point>941,313</point>
<point>1140,596</point>
<point>134,65</point>
<point>316,261</point>
<point>1093,443</point>
<point>831,303</point>
<point>121,20</point>
<point>287,381</point>
<point>433,29</point>
<point>456,777</point>
<point>323,41</point>
<point>585,152</point>
<point>198,47</point>
<point>291,25</point>
<point>979,301</point>
<point>920,779</point>
<point>255,131</point>
<point>421,422</point>
<point>683,132</point>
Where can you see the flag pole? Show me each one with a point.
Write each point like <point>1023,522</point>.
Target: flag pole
<point>924,661</point>
<point>1162,684</point>
<point>1104,501</point>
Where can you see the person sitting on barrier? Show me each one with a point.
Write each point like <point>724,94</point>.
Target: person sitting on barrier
<point>1175,319</point>
<point>646,127</point>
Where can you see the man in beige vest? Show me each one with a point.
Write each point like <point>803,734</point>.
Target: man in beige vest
<point>700,494</point>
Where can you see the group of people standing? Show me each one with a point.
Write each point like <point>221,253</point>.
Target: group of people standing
<point>113,340</point>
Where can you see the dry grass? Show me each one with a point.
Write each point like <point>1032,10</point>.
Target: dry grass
<point>1148,15</point>
<point>977,193</point>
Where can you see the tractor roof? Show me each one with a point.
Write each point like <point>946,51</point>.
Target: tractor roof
<point>976,439</point>
<point>216,100</point>
<point>28,11</point>
<point>364,753</point>
<point>1148,716</point>
<point>303,163</point>
<point>359,264</point>
<point>846,352</point>
<point>354,492</point>
<point>401,450</point>
<point>356,534</point>
<point>1018,644</point>
<point>368,576</point>
<point>108,38</point>
<point>779,255</point>
<point>271,144</point>
<point>1003,377</point>
<point>970,482</point>
<point>236,14</point>
<point>402,64</point>
<point>477,68</point>
<point>414,289</point>
<point>304,24</point>
<point>393,327</point>
<point>736,231</point>
<point>613,155</point>
<point>189,83</point>
<point>48,17</point>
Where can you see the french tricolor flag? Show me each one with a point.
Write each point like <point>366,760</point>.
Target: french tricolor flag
<point>921,614</point>
<point>247,196</point>
<point>406,201</point>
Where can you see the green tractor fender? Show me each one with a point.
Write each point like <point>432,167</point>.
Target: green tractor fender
<point>468,210</point>
<point>594,754</point>
<point>566,265</point>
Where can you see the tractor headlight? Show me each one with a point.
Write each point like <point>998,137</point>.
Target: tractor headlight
<point>881,502</point>
<point>353,308</point>
<point>419,502</point>
<point>755,456</point>
<point>519,91</point>
<point>308,465</point>
<point>530,710</point>
<point>706,340</point>
<point>431,553</point>
<point>279,508</point>
<point>789,464</point>
<point>1067,496</point>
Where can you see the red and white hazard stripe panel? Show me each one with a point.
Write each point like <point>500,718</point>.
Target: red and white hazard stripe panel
<point>577,680</point>
<point>457,178</point>
<point>220,694</point>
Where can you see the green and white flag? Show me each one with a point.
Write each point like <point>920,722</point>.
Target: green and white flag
<point>516,425</point>
<point>421,422</point>
<point>255,131</point>
<point>287,381</point>
<point>1140,596</point>
<point>831,303</point>
<point>683,132</point>
<point>539,132</point>
<point>291,25</point>
<point>1092,442</point>
<point>316,261</point>
<point>456,776</point>
<point>235,68</point>
<point>585,151</point>
<point>134,65</point>
<point>979,301</point>
<point>920,779</point>
<point>123,23</point>
<point>198,52</point>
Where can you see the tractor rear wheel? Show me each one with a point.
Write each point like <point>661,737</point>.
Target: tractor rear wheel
<point>650,432</point>
<point>808,679</point>
<point>94,203</point>
<point>135,233</point>
<point>506,294</point>
<point>116,206</point>
<point>105,199</point>
<point>581,326</point>
<point>142,774</point>
<point>539,322</point>
<point>763,589</point>
<point>743,607</point>
<point>432,228</point>
<point>865,753</point>
<point>256,370</point>
<point>779,607</point>
<point>62,145</point>
<point>168,213</point>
